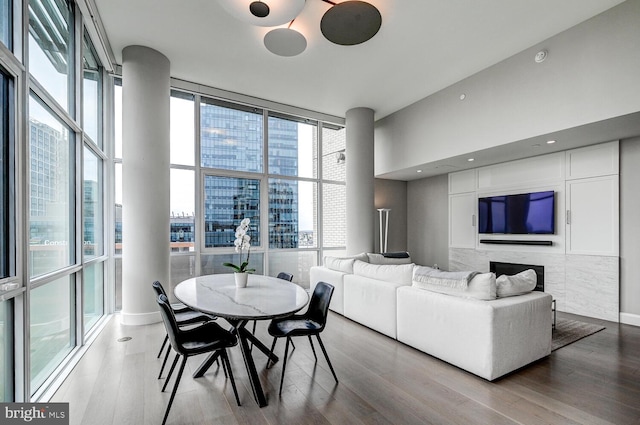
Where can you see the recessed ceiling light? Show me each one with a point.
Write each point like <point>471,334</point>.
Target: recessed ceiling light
<point>463,96</point>
<point>471,159</point>
<point>550,142</point>
<point>418,171</point>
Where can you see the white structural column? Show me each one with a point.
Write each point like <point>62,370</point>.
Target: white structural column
<point>145,181</point>
<point>361,212</point>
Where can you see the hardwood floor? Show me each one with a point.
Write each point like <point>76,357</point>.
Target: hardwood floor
<point>593,381</point>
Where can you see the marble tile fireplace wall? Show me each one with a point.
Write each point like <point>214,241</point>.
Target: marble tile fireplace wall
<point>581,261</point>
<point>581,284</point>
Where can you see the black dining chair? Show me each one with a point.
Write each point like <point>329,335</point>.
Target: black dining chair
<point>184,316</point>
<point>308,324</point>
<point>284,276</point>
<point>205,338</point>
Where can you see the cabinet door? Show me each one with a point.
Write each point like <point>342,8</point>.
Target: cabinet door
<point>592,216</point>
<point>462,220</point>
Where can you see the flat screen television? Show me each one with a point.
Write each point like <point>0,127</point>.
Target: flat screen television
<point>521,214</point>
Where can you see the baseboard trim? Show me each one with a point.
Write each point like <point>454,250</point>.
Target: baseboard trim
<point>137,319</point>
<point>630,319</point>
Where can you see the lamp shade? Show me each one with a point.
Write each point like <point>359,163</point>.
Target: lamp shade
<point>285,42</point>
<point>279,11</point>
<point>351,22</point>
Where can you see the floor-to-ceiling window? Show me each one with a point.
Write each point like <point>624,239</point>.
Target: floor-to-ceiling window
<point>52,243</point>
<point>7,233</point>
<point>231,161</point>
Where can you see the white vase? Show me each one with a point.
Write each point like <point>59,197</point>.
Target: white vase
<point>241,279</point>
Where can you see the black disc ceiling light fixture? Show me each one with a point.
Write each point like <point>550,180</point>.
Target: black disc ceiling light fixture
<point>350,22</point>
<point>347,23</point>
<point>259,9</point>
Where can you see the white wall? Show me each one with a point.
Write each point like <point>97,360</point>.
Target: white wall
<point>427,218</point>
<point>591,74</point>
<point>392,194</point>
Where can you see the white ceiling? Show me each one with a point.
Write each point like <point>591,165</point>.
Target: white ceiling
<point>423,46</point>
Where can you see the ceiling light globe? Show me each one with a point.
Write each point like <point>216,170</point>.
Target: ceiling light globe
<point>279,12</point>
<point>259,9</point>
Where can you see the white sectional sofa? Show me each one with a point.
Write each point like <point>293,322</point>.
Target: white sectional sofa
<point>470,328</point>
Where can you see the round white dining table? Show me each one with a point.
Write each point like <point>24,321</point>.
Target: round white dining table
<point>263,298</point>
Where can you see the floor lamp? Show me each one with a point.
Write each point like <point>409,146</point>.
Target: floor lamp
<point>384,216</point>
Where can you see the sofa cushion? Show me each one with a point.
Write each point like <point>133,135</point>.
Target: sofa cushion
<point>344,265</point>
<point>482,286</point>
<point>381,259</point>
<point>399,273</point>
<point>518,284</point>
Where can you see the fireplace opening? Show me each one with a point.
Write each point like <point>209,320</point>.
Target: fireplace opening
<point>514,268</point>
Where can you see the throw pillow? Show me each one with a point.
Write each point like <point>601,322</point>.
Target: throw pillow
<point>381,259</point>
<point>518,284</point>
<point>344,265</point>
<point>481,287</point>
<point>399,273</point>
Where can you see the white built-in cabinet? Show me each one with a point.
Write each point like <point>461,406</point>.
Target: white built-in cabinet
<point>462,209</point>
<point>582,264</point>
<point>462,220</point>
<point>592,200</point>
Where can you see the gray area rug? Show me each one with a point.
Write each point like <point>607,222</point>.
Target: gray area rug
<point>569,331</point>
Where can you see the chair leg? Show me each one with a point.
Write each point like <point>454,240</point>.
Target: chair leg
<point>225,361</point>
<point>284,364</point>
<point>224,368</point>
<point>312,348</point>
<point>326,356</point>
<point>175,388</point>
<point>166,338</point>
<point>173,366</point>
<point>164,363</point>
<point>273,346</point>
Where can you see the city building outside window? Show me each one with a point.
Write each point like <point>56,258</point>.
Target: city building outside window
<point>52,200</point>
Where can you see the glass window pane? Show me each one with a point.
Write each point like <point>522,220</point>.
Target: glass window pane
<point>118,279</point>
<point>182,134</point>
<point>231,136</point>
<point>334,215</point>
<point>51,48</point>
<point>6,191</point>
<point>92,214</point>
<point>51,239</point>
<point>5,25</point>
<point>334,143</point>
<point>182,210</point>
<point>51,327</point>
<point>227,200</point>
<point>92,92</point>
<point>212,264</point>
<point>292,213</point>
<point>118,209</point>
<point>117,117</point>
<point>93,294</point>
<point>293,145</point>
<point>297,263</point>
<point>6,351</point>
<point>183,267</point>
